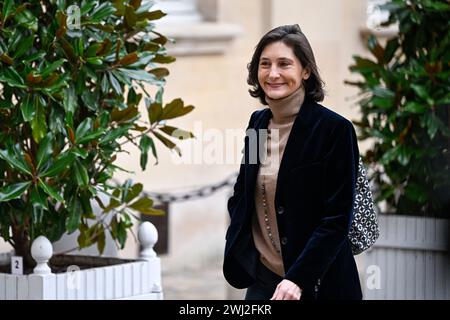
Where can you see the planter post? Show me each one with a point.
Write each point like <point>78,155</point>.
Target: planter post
<point>41,251</point>
<point>42,282</point>
<point>148,236</point>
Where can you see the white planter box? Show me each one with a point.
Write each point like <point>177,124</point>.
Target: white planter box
<point>410,260</point>
<point>138,279</point>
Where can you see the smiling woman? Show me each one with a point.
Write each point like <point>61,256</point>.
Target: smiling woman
<point>292,210</point>
<point>280,73</point>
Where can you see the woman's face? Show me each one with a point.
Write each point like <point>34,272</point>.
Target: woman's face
<point>280,72</point>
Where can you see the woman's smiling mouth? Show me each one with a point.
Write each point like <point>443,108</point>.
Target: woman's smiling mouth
<point>275,85</point>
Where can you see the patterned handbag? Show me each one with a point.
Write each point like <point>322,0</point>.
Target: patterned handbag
<point>364,230</point>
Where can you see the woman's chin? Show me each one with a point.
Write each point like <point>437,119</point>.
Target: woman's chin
<point>276,95</point>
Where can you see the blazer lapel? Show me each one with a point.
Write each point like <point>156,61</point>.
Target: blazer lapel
<point>292,155</point>
<point>252,168</point>
<point>293,151</point>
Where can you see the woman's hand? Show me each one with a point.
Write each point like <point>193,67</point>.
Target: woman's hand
<point>287,290</point>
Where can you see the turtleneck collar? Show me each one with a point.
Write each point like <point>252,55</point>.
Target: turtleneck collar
<point>284,110</point>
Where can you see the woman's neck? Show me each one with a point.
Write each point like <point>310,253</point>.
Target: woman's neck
<point>285,109</point>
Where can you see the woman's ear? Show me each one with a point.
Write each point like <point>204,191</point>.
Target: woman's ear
<point>306,74</point>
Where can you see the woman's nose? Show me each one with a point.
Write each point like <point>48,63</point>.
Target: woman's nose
<point>274,73</point>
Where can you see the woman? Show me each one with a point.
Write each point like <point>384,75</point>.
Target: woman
<point>292,208</point>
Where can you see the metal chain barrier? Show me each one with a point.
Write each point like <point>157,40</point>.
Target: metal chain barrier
<point>200,192</point>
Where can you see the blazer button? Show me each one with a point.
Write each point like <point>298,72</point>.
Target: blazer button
<point>280,210</point>
<point>284,241</point>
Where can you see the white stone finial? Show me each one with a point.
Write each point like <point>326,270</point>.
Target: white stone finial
<point>41,251</point>
<point>148,236</point>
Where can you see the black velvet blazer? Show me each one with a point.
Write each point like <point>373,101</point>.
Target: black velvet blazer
<point>314,203</point>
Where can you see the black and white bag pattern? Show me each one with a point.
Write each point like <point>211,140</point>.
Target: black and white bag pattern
<point>364,230</point>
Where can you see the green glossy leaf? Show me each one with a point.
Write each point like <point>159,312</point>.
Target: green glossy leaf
<point>14,161</point>
<point>24,46</point>
<point>81,174</point>
<point>11,77</point>
<point>144,145</point>
<point>175,109</point>
<point>74,218</point>
<point>420,91</point>
<point>385,103</point>
<point>105,84</point>
<point>404,155</point>
<point>70,100</point>
<point>27,107</point>
<point>169,144</point>
<point>115,134</point>
<point>163,59</point>
<point>140,75</point>
<point>115,84</point>
<point>62,163</point>
<point>126,186</point>
<point>27,20</point>
<point>50,191</point>
<point>130,17</point>
<point>124,115</point>
<point>82,153</point>
<point>113,202</point>
<point>155,112</point>
<point>95,61</point>
<point>52,67</point>
<point>364,65</point>
<point>102,11</point>
<point>68,50</point>
<point>121,234</point>
<point>8,8</point>
<point>101,239</point>
<point>133,192</point>
<point>33,57</point>
<point>432,123</point>
<point>152,212</point>
<point>87,7</point>
<point>83,128</point>
<point>383,92</point>
<point>91,136</point>
<point>415,107</point>
<point>13,191</point>
<point>91,99</point>
<point>45,150</point>
<point>38,197</point>
<point>39,122</point>
<point>391,47</point>
<point>152,15</point>
<point>142,204</point>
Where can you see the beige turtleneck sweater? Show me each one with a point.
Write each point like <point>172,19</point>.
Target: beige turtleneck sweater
<point>284,112</point>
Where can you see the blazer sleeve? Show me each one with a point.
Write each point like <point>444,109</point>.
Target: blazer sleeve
<point>341,167</point>
<point>238,189</point>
